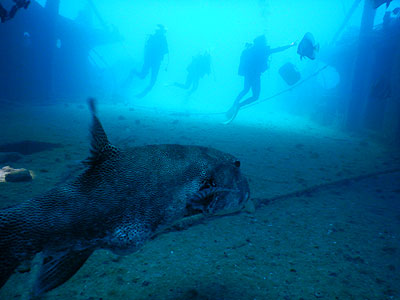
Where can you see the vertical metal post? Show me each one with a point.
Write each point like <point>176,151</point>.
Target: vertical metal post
<point>52,8</point>
<point>362,70</point>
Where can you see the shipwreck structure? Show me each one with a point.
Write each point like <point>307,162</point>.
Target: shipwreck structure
<point>368,61</point>
<point>45,56</point>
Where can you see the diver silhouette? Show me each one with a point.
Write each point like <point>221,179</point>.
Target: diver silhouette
<point>254,61</point>
<point>198,67</point>
<point>155,49</point>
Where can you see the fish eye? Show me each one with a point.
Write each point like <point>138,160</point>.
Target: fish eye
<point>237,163</point>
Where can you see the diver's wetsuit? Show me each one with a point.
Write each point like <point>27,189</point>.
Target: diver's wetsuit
<point>253,62</point>
<point>258,64</point>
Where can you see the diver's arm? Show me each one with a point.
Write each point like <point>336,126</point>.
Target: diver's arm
<point>283,48</point>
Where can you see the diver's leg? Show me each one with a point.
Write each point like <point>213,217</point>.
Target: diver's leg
<point>142,74</point>
<point>145,69</point>
<point>195,85</point>
<point>154,73</point>
<point>155,68</point>
<point>186,85</point>
<point>255,87</point>
<point>233,111</point>
<point>244,91</point>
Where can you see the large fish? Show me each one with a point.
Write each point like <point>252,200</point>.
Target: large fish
<point>307,46</point>
<point>122,199</point>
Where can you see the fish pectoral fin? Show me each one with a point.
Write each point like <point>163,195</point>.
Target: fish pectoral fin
<point>57,268</point>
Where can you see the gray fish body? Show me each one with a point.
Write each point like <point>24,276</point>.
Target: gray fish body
<point>123,198</point>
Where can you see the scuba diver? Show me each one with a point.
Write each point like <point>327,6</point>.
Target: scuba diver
<point>199,66</point>
<point>155,49</point>
<point>5,16</point>
<point>254,61</point>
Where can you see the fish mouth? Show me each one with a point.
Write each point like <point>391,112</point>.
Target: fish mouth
<point>212,203</point>
<point>213,200</point>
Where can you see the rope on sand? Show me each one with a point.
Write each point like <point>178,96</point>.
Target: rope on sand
<point>196,219</point>
<point>315,188</point>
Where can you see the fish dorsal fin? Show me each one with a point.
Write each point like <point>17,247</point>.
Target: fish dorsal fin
<point>100,147</point>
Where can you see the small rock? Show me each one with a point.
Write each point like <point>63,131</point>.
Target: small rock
<point>121,118</point>
<point>18,175</point>
<point>318,294</point>
<point>145,283</point>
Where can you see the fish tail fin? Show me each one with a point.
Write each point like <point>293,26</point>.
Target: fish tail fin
<point>316,47</point>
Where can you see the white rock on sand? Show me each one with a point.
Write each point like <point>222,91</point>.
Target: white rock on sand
<point>8,174</point>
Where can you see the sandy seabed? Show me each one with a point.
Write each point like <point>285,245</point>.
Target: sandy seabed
<point>341,241</point>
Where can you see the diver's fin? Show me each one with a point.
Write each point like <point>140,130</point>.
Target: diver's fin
<point>143,93</point>
<point>58,268</point>
<point>231,114</point>
<point>101,149</point>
